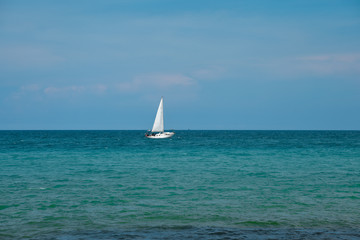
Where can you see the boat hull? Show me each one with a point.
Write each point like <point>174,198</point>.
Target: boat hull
<point>160,135</point>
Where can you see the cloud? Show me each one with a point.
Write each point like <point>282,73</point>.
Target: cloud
<point>63,90</point>
<point>208,73</point>
<point>139,83</point>
<point>349,58</point>
<point>330,63</point>
<point>308,66</point>
<point>156,81</point>
<point>75,89</point>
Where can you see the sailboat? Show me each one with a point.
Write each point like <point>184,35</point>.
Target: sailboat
<point>158,127</point>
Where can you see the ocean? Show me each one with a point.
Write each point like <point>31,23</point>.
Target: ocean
<point>197,185</point>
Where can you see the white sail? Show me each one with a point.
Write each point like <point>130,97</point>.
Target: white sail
<point>159,119</point>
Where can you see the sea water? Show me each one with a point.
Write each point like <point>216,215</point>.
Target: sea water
<point>195,185</point>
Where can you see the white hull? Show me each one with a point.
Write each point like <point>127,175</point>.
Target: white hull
<point>160,135</point>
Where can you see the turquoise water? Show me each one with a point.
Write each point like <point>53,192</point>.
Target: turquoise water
<point>198,184</point>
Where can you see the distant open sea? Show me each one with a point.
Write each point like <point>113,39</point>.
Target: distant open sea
<point>197,185</point>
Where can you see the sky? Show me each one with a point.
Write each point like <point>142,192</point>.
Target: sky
<point>235,64</point>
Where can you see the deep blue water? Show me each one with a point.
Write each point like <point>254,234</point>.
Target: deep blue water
<point>196,185</point>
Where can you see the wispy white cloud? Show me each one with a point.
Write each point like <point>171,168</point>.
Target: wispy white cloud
<point>330,63</point>
<point>75,89</point>
<point>348,58</point>
<point>307,66</point>
<point>63,90</point>
<point>139,83</point>
<point>156,81</point>
<point>208,72</point>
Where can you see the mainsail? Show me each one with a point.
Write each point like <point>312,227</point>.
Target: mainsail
<point>159,119</point>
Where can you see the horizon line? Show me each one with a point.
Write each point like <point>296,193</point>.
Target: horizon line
<point>181,130</point>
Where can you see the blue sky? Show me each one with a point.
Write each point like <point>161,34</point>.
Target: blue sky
<point>219,64</point>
